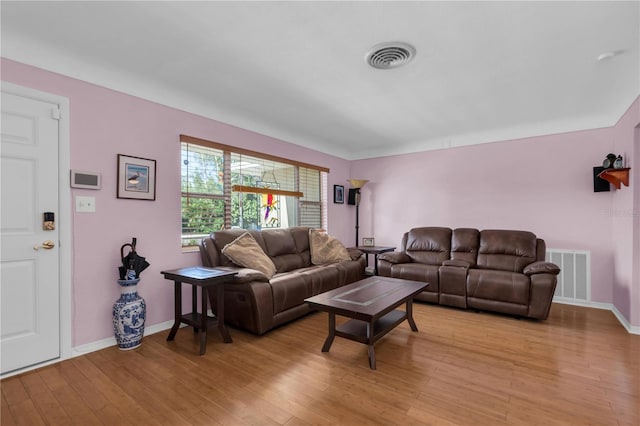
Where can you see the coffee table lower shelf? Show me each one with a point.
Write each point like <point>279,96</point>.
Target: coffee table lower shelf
<point>366,332</point>
<point>357,330</point>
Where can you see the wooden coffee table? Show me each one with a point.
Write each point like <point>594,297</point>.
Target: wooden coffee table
<point>371,304</point>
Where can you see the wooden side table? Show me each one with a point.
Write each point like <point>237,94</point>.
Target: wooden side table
<point>204,278</point>
<point>375,250</point>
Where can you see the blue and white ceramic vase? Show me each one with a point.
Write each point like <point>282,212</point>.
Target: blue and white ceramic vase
<point>128,315</point>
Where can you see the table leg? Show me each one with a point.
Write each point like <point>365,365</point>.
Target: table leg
<point>194,304</point>
<point>375,264</point>
<point>226,337</point>
<point>332,332</point>
<point>203,319</point>
<point>370,349</point>
<point>412,323</point>
<point>177,297</point>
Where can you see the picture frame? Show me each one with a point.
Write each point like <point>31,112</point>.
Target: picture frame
<point>338,194</point>
<point>136,178</point>
<point>368,242</point>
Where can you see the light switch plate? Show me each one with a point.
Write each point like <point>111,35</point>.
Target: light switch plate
<point>85,204</point>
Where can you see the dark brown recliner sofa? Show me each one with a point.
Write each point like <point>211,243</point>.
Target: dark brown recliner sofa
<point>257,304</point>
<point>494,270</point>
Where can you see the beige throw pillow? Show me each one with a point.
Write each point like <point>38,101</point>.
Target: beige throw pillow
<point>326,249</point>
<point>245,251</point>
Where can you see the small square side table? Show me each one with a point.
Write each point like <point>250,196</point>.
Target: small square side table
<point>204,278</point>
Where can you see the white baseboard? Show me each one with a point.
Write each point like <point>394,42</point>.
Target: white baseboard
<point>91,347</point>
<point>598,305</point>
<point>111,341</point>
<point>630,328</point>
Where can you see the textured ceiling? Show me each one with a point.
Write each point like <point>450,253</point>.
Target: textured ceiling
<point>484,71</point>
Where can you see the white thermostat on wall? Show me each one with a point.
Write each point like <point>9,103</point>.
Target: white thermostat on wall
<point>85,180</point>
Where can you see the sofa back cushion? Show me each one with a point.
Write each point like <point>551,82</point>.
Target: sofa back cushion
<point>465,243</point>
<point>429,245</point>
<point>541,250</point>
<point>301,238</point>
<point>282,249</point>
<point>506,250</point>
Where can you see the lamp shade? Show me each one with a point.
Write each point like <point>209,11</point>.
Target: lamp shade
<point>357,183</point>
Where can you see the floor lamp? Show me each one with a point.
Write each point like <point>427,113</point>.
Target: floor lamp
<point>354,198</point>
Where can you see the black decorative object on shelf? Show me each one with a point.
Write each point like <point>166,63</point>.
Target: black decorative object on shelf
<point>608,162</point>
<point>599,184</point>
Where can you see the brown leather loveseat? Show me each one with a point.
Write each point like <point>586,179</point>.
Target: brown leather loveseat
<point>494,270</point>
<point>257,303</point>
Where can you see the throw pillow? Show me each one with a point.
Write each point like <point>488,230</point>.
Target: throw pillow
<point>245,251</point>
<point>325,248</point>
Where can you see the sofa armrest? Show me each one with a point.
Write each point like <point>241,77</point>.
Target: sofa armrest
<point>541,267</point>
<point>457,263</point>
<point>354,253</point>
<point>208,252</point>
<point>543,286</point>
<point>244,275</point>
<point>395,257</point>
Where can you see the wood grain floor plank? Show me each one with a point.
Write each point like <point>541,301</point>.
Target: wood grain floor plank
<point>462,368</point>
<point>6,417</point>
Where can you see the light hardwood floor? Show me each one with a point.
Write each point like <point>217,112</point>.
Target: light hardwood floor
<point>462,368</point>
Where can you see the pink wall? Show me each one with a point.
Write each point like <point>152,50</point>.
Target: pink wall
<point>626,233</point>
<point>635,284</point>
<point>105,123</point>
<point>542,184</point>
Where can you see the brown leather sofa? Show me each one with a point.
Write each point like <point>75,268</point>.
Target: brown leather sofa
<point>494,270</point>
<point>257,304</point>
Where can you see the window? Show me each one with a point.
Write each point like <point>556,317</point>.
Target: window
<point>225,187</point>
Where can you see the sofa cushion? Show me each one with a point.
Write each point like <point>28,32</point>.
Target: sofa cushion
<point>501,286</point>
<point>417,272</point>
<point>283,251</point>
<point>325,248</point>
<point>289,290</point>
<point>278,242</point>
<point>464,244</point>
<point>300,236</point>
<point>429,245</point>
<point>321,278</point>
<point>245,251</point>
<point>505,250</point>
<point>348,272</point>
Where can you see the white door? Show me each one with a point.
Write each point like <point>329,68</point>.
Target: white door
<point>29,266</point>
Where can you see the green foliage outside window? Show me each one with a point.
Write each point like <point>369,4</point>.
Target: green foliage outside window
<point>204,200</point>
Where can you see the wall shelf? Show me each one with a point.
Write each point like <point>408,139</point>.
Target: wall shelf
<point>616,177</point>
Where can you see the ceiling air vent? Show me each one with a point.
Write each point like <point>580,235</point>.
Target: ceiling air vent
<point>390,55</point>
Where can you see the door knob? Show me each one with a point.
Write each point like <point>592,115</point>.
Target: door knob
<point>48,245</point>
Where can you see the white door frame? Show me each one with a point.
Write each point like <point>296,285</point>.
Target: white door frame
<point>63,220</point>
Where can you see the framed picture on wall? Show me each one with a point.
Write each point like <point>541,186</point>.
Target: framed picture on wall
<point>136,178</point>
<point>338,194</point>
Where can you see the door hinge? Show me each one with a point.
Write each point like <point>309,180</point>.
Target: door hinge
<point>55,113</point>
